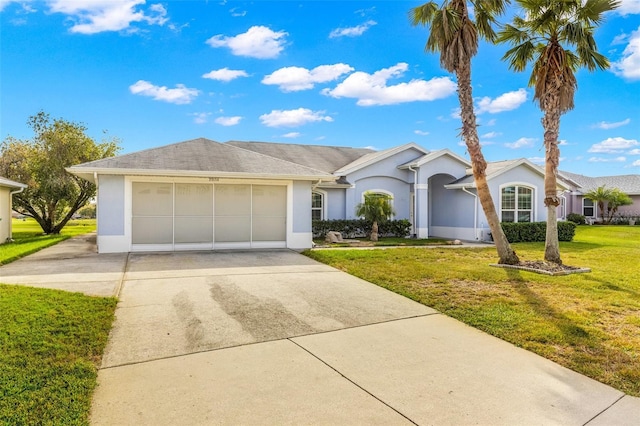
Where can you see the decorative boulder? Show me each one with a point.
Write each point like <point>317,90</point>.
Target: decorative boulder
<point>333,237</point>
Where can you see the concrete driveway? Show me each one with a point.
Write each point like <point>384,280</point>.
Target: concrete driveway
<point>272,337</point>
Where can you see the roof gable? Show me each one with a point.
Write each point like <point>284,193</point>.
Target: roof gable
<point>199,157</point>
<point>432,156</point>
<point>497,168</point>
<point>376,156</point>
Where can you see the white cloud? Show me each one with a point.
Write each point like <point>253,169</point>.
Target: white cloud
<point>228,121</point>
<point>292,135</point>
<point>180,95</point>
<point>491,122</point>
<point>5,3</point>
<point>258,42</point>
<point>200,117</point>
<point>225,74</point>
<point>505,102</point>
<point>236,12</point>
<point>636,163</point>
<point>491,135</point>
<point>293,117</point>
<point>521,143</point>
<point>628,7</point>
<point>607,160</point>
<point>629,65</point>
<point>420,132</point>
<point>606,126</point>
<point>293,79</point>
<point>634,152</point>
<point>96,16</point>
<point>613,145</point>
<point>352,31</point>
<point>372,89</point>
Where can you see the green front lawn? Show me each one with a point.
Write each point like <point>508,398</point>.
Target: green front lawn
<point>589,322</point>
<point>51,344</point>
<point>28,237</point>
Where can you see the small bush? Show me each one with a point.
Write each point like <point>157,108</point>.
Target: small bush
<point>576,218</point>
<point>359,228</point>
<point>526,232</point>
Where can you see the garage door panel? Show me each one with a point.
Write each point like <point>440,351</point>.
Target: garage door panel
<point>269,200</point>
<point>269,229</point>
<point>232,229</point>
<point>194,200</point>
<point>152,230</point>
<point>152,199</point>
<point>232,200</point>
<point>193,229</point>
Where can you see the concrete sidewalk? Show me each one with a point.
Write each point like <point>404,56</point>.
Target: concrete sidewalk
<point>273,337</point>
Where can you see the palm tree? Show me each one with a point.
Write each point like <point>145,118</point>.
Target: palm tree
<point>455,36</point>
<point>600,196</point>
<point>616,200</point>
<point>376,208</point>
<point>543,36</point>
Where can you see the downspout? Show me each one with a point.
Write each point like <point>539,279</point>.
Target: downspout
<point>415,201</point>
<point>475,211</point>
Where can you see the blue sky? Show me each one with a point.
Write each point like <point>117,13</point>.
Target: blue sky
<point>344,73</point>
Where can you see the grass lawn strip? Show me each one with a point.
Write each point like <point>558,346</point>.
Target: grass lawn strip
<point>589,322</point>
<point>51,344</point>
<point>28,237</point>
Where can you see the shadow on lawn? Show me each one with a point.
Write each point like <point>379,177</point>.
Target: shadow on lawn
<point>574,334</point>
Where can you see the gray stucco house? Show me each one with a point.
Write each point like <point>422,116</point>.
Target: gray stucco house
<point>204,195</point>
<point>7,189</point>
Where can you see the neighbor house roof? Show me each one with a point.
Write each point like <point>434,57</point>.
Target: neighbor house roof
<point>325,158</point>
<point>7,183</point>
<point>199,157</point>
<point>497,168</point>
<point>629,184</point>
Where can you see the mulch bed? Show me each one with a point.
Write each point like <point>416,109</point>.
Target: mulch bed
<point>545,268</point>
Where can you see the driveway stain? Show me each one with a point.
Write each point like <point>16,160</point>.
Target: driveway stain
<point>264,319</point>
<point>194,331</point>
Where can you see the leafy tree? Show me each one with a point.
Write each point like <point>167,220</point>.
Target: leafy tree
<point>616,199</point>
<point>375,208</point>
<point>455,35</point>
<point>600,196</point>
<point>544,35</point>
<point>53,195</point>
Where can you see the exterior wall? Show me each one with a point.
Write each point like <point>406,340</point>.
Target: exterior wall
<point>449,207</point>
<point>335,203</point>
<point>300,236</point>
<point>5,214</point>
<point>631,210</point>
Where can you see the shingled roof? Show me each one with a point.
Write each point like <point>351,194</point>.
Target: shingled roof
<point>325,158</point>
<point>11,184</point>
<point>199,157</point>
<point>629,184</point>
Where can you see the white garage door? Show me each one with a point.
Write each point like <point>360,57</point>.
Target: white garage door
<point>185,216</point>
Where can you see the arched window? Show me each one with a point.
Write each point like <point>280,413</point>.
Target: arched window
<point>516,204</point>
<point>317,205</point>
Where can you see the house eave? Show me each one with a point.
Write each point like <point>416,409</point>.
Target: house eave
<point>90,173</point>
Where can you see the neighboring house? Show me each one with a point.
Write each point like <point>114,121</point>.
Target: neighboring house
<point>7,189</point>
<point>201,194</point>
<point>577,203</point>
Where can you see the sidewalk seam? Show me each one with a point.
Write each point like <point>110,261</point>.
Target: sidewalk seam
<point>605,410</point>
<point>118,288</point>
<point>352,382</point>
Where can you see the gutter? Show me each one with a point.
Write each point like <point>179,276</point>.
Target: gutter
<point>475,211</point>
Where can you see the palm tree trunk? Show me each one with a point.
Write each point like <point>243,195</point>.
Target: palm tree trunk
<point>479,165</point>
<point>551,125</point>
<point>374,231</point>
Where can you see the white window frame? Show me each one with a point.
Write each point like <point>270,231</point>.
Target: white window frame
<point>517,185</point>
<point>593,205</point>
<point>323,208</point>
